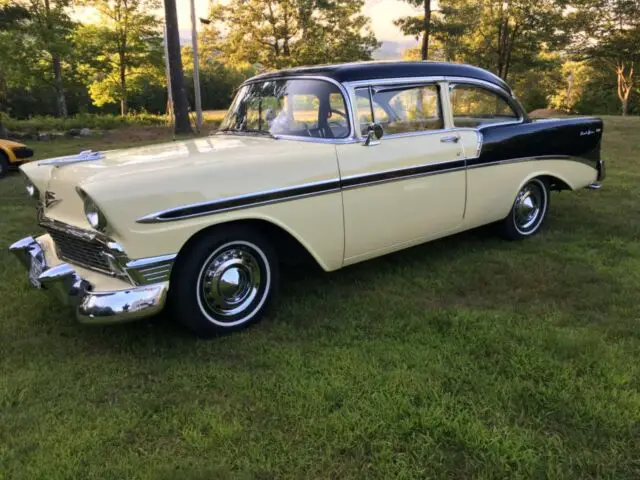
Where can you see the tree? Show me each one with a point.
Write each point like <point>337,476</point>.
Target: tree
<point>217,79</point>
<point>12,18</point>
<point>49,30</point>
<point>180,106</point>
<point>607,33</point>
<point>502,35</point>
<point>418,25</point>
<point>124,46</point>
<point>284,33</point>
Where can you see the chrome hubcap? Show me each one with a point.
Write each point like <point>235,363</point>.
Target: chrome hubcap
<point>528,206</point>
<point>230,281</point>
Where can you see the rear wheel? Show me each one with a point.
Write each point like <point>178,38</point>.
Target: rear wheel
<point>528,212</point>
<point>4,165</point>
<point>225,282</point>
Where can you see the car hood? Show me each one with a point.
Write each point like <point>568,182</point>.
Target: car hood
<point>130,183</point>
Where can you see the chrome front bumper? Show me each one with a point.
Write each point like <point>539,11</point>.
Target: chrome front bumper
<point>92,307</point>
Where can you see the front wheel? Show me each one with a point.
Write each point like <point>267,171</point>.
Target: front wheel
<point>225,282</point>
<point>528,212</point>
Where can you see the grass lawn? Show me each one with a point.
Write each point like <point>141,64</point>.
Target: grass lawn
<point>466,357</point>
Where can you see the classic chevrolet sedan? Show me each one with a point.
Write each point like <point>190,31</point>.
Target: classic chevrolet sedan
<point>344,162</point>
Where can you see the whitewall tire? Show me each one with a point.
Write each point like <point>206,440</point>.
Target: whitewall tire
<point>225,281</point>
<point>529,210</point>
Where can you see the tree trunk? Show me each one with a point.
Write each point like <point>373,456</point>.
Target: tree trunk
<point>56,63</point>
<point>61,101</point>
<point>625,85</point>
<point>124,109</point>
<point>426,27</point>
<point>180,105</point>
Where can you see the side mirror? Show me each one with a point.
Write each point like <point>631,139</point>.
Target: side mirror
<point>374,134</point>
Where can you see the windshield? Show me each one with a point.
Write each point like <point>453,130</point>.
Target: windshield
<point>300,108</point>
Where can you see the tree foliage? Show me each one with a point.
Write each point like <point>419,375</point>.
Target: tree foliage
<point>122,52</point>
<point>607,33</point>
<point>422,25</point>
<point>285,33</point>
<point>504,36</point>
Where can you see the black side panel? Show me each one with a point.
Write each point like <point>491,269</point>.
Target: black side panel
<point>571,137</point>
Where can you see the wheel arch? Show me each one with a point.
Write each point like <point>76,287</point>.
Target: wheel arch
<point>289,246</point>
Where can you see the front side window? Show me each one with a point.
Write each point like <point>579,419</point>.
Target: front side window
<point>474,106</point>
<point>301,108</point>
<point>400,109</point>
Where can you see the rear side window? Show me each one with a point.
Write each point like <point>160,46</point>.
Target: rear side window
<point>401,109</point>
<point>473,106</point>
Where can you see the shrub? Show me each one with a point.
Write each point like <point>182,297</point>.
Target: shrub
<point>43,123</point>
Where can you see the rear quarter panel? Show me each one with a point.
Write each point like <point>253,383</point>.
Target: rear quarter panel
<point>511,155</point>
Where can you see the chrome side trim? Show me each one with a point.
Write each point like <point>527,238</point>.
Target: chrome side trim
<point>472,165</point>
<point>332,186</point>
<point>360,181</point>
<point>150,270</point>
<point>243,201</point>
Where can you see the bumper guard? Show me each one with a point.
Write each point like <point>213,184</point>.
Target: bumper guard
<point>104,307</point>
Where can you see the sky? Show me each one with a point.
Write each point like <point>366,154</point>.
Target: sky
<point>381,12</point>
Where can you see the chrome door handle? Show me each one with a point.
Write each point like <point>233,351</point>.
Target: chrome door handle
<point>450,139</point>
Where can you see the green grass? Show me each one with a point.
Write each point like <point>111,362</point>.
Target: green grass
<point>465,357</point>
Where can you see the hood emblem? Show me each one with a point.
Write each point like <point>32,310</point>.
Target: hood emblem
<point>84,156</point>
<point>50,199</point>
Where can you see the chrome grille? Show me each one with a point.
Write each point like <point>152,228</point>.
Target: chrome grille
<point>84,252</point>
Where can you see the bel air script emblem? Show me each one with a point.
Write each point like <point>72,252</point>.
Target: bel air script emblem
<point>50,199</point>
<point>585,133</point>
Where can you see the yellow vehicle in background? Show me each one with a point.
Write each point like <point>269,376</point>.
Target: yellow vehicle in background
<point>12,155</point>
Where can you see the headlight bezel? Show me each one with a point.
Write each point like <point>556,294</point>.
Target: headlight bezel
<point>92,213</point>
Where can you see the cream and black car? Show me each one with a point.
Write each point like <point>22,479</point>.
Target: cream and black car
<point>346,162</point>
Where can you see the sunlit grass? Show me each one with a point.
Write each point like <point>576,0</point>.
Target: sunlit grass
<point>466,357</point>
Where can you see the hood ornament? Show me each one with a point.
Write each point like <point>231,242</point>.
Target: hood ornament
<point>84,156</point>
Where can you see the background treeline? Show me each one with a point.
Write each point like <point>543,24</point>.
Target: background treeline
<point>64,57</point>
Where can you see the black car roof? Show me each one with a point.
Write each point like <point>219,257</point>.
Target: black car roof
<point>353,72</point>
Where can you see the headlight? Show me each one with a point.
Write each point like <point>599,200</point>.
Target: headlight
<point>94,216</point>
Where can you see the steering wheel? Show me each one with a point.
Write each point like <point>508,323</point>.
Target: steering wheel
<point>342,114</point>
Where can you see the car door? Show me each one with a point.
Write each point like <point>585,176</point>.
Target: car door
<point>410,186</point>
<point>479,108</point>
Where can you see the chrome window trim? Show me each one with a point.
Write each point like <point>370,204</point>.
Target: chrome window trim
<point>345,96</point>
<point>505,95</point>
<point>411,81</point>
<point>393,81</point>
<point>452,84</point>
<point>334,141</point>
